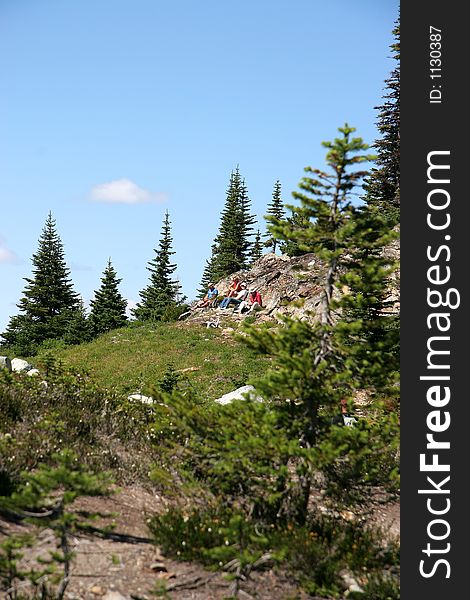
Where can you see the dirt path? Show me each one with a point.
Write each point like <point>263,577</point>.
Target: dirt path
<point>128,566</point>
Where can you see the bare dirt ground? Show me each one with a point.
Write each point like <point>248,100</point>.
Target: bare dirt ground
<point>127,566</point>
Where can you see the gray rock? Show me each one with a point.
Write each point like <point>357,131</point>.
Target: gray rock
<point>240,394</point>
<point>33,372</point>
<point>5,363</point>
<point>20,366</point>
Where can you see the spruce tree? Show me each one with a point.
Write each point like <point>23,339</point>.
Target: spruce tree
<point>108,308</point>
<point>232,245</point>
<point>276,211</point>
<point>379,214</point>
<point>48,298</point>
<point>78,328</point>
<point>295,223</point>
<point>246,221</point>
<point>257,250</point>
<point>207,275</point>
<point>383,185</point>
<point>161,299</point>
<point>320,363</point>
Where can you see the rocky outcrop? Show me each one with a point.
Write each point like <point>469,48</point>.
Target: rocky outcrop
<point>288,286</point>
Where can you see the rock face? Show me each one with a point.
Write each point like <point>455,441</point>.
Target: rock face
<point>290,286</point>
<point>281,280</point>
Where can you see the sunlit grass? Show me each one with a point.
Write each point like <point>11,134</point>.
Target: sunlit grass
<point>136,357</point>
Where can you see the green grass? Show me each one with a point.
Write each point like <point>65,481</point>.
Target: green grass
<point>135,358</point>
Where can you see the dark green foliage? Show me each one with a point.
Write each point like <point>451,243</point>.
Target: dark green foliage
<point>161,299</point>
<point>78,328</point>
<point>108,308</point>
<point>318,364</point>
<point>207,274</point>
<point>232,246</point>
<point>48,299</point>
<point>374,342</point>
<point>383,185</point>
<point>276,211</point>
<point>70,412</point>
<point>257,250</point>
<point>169,380</point>
<point>296,222</point>
<point>314,554</point>
<point>10,572</point>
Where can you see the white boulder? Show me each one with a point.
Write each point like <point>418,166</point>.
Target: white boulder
<point>33,372</point>
<point>141,398</point>
<point>240,394</point>
<point>20,366</point>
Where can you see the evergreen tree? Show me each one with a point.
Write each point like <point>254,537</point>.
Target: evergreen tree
<point>276,211</point>
<point>48,298</point>
<point>383,185</point>
<point>108,308</point>
<point>161,299</point>
<point>207,275</point>
<point>246,221</point>
<point>232,245</point>
<point>79,328</point>
<point>257,250</point>
<point>319,364</point>
<point>296,222</point>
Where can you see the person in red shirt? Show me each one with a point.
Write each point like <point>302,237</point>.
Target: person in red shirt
<point>252,303</point>
<point>234,288</point>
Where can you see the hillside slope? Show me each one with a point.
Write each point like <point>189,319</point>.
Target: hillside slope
<point>135,358</point>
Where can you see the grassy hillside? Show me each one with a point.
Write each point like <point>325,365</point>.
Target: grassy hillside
<point>136,357</point>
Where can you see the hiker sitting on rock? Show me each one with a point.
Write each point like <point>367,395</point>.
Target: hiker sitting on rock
<point>234,288</point>
<point>252,303</point>
<point>237,299</point>
<point>210,299</point>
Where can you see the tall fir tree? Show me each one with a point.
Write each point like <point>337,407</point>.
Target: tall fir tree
<point>108,308</point>
<point>161,299</point>
<point>275,210</point>
<point>48,298</point>
<point>232,245</point>
<point>257,250</point>
<point>246,222</point>
<point>383,185</point>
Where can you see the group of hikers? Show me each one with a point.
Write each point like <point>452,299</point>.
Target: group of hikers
<point>239,296</point>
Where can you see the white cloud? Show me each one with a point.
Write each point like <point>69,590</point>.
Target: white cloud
<point>124,191</point>
<point>7,256</point>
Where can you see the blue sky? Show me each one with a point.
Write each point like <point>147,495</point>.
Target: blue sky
<point>114,111</point>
